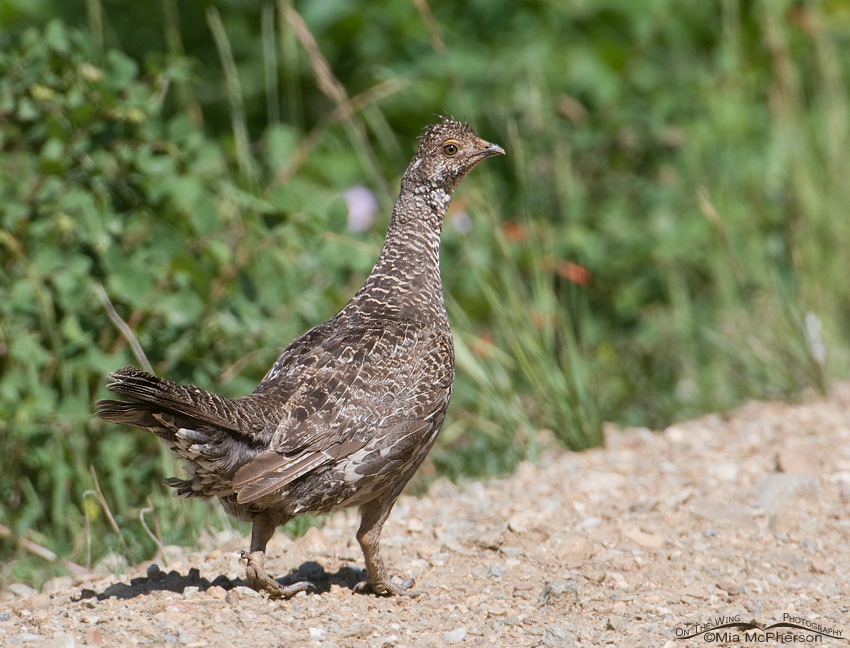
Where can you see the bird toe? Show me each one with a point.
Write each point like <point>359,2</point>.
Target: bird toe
<point>387,588</point>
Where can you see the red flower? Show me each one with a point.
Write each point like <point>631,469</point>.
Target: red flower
<point>514,232</point>
<point>573,272</point>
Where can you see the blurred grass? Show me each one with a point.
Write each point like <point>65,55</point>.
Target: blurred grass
<point>666,237</point>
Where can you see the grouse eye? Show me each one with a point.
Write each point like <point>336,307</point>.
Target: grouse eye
<point>450,148</point>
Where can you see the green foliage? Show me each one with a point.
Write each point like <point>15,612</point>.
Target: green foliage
<point>667,235</point>
<point>102,200</point>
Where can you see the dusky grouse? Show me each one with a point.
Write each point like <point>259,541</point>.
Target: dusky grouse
<point>350,409</point>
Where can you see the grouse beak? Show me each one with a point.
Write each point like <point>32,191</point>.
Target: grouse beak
<point>490,151</point>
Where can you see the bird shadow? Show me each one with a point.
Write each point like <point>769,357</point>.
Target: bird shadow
<point>174,581</point>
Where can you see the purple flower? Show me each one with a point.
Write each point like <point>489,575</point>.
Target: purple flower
<point>362,205</point>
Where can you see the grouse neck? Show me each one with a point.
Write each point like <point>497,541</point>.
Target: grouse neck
<point>405,282</point>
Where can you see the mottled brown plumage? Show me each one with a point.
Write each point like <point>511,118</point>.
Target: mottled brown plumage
<point>350,409</point>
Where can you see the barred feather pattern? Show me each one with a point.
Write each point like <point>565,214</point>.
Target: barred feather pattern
<point>350,409</point>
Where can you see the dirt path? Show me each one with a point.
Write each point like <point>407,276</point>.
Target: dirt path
<point>745,517</point>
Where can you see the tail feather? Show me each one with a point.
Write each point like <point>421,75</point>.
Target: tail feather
<point>158,395</point>
<point>134,414</point>
<point>212,433</point>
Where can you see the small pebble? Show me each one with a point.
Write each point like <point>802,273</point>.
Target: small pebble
<point>246,591</point>
<point>614,623</point>
<point>190,592</point>
<point>359,629</point>
<point>184,637</point>
<point>29,636</point>
<point>216,592</point>
<point>557,589</point>
<point>557,636</point>
<point>19,589</point>
<point>455,636</point>
<point>62,641</point>
<point>729,587</point>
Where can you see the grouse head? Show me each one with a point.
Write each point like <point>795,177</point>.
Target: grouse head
<point>447,152</point>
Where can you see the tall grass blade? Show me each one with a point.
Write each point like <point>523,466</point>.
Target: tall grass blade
<point>270,65</point>
<point>234,96</point>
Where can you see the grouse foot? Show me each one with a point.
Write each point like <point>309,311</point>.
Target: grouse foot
<point>387,588</point>
<point>259,580</point>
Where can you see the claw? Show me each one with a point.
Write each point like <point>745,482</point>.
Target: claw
<point>388,588</point>
<point>259,580</point>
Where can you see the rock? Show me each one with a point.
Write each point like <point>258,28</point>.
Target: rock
<point>800,460</point>
<point>600,482</point>
<point>775,491</point>
<point>63,641</point>
<point>819,567</point>
<point>614,623</point>
<point>19,589</point>
<point>314,541</point>
<point>475,492</point>
<point>511,552</point>
<point>428,640</point>
<point>443,488</point>
<point>723,513</point>
<point>725,471</point>
<point>232,598</point>
<point>246,591</point>
<point>216,592</point>
<point>455,636</point>
<point>316,633</point>
<point>557,636</point>
<point>675,435</point>
<point>359,629</point>
<point>190,592</point>
<point>693,591</point>
<point>517,524</point>
<point>729,587</point>
<point>575,549</point>
<point>647,540</point>
<point>35,602</point>
<point>495,570</point>
<point>490,538</point>
<point>58,584</point>
<point>439,559</point>
<point>555,590</point>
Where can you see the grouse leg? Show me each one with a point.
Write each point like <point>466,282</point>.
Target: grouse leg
<point>372,518</point>
<point>261,532</point>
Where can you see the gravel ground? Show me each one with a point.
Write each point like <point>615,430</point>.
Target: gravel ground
<point>743,517</point>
